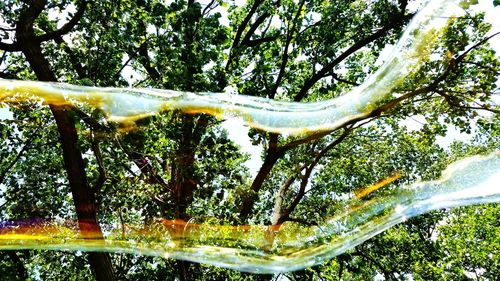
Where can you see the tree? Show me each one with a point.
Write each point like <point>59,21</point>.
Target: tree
<point>75,164</point>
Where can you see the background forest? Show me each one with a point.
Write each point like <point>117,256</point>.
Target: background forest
<point>71,163</point>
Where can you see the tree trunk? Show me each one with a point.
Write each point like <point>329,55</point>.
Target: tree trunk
<point>272,156</point>
<point>83,196</point>
<point>183,183</point>
<point>22,273</point>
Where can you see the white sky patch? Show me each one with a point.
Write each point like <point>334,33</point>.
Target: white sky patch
<point>7,36</point>
<point>276,22</point>
<point>238,132</point>
<point>2,190</point>
<point>62,17</point>
<point>491,16</point>
<point>453,134</point>
<point>417,122</point>
<point>384,54</point>
<point>316,17</point>
<point>248,70</point>
<point>239,3</point>
<point>151,29</point>
<point>5,114</point>
<point>414,123</point>
<point>223,20</point>
<point>129,73</point>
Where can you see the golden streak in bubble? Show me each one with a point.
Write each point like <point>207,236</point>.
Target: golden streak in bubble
<point>16,236</point>
<point>360,193</point>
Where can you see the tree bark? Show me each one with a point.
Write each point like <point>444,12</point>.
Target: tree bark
<point>273,153</point>
<point>22,273</point>
<point>83,196</point>
<point>183,181</point>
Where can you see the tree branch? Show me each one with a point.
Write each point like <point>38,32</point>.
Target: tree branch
<point>24,25</point>
<point>146,169</point>
<point>285,56</point>
<point>280,216</point>
<point>239,31</point>
<point>455,62</point>
<point>256,42</point>
<point>391,104</point>
<point>333,144</point>
<point>432,87</point>
<point>67,27</point>
<point>4,55</point>
<point>298,197</point>
<point>455,102</point>
<point>83,196</point>
<point>272,156</point>
<point>12,47</point>
<point>278,203</point>
<point>22,273</point>
<point>209,7</point>
<point>398,19</point>
<point>336,77</point>
<point>388,275</point>
<point>143,56</point>
<point>117,74</point>
<point>307,139</point>
<point>80,70</point>
<point>102,170</point>
<point>91,122</point>
<point>254,27</point>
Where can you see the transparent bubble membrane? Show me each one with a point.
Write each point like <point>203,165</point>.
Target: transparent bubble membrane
<point>264,249</point>
<point>268,249</point>
<point>129,104</point>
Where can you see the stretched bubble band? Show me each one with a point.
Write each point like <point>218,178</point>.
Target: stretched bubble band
<point>129,104</point>
<point>271,249</point>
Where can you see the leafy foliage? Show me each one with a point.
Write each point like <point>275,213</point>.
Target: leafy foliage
<point>185,166</point>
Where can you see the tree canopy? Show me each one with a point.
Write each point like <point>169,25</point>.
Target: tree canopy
<point>69,163</point>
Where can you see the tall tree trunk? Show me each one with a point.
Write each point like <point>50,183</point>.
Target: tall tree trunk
<point>183,183</point>
<point>83,195</point>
